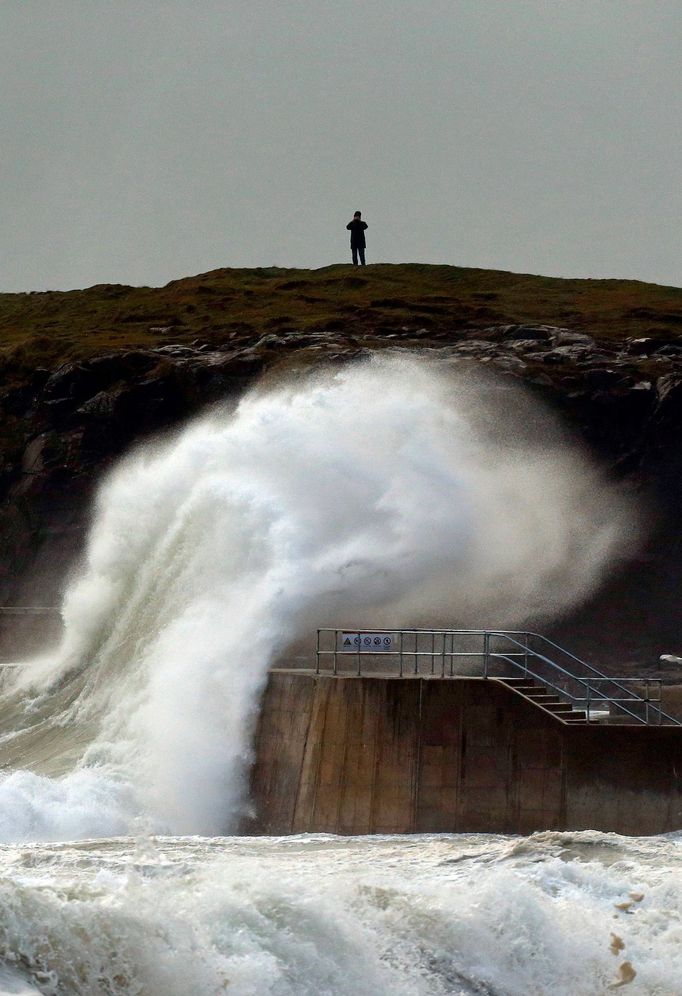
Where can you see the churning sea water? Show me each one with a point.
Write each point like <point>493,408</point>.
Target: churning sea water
<point>389,493</point>
<point>566,914</point>
<point>393,492</point>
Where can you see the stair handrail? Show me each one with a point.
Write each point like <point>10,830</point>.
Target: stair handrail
<point>562,691</point>
<point>589,681</point>
<point>595,671</point>
<point>545,681</point>
<point>574,677</point>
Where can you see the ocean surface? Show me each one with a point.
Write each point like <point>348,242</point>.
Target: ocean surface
<point>387,493</point>
<point>566,914</point>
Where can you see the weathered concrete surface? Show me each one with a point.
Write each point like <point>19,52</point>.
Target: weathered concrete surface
<point>355,755</point>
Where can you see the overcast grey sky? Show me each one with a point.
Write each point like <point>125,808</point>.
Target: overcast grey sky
<point>144,140</point>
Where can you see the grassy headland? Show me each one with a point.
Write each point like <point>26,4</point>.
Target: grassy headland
<point>233,306</point>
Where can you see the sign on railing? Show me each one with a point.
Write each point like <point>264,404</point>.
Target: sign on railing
<point>494,654</point>
<point>367,643</point>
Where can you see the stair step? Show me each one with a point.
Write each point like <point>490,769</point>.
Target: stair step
<point>541,695</point>
<point>522,684</point>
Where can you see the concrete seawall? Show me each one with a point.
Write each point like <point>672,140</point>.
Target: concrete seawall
<point>357,755</point>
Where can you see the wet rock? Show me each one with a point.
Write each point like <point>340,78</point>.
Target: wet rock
<point>645,345</point>
<point>102,405</point>
<point>672,349</point>
<point>565,354</point>
<point>32,461</point>
<point>510,363</point>
<point>20,399</point>
<point>70,382</point>
<point>669,389</point>
<point>522,345</point>
<point>667,418</point>
<point>602,378</point>
<point>76,382</point>
<point>562,337</point>
<point>541,380</point>
<point>474,348</point>
<point>542,333</point>
<point>175,350</point>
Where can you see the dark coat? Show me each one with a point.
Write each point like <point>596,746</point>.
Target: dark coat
<point>357,233</point>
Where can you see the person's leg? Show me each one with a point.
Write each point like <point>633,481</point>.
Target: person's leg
<point>354,250</point>
<point>361,253</point>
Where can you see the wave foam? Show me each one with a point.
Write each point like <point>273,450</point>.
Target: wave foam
<point>387,493</point>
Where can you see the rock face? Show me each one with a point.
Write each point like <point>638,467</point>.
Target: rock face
<point>68,424</point>
<point>74,421</point>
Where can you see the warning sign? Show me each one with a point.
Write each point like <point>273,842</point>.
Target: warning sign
<point>368,643</point>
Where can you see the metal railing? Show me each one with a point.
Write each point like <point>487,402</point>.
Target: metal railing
<point>489,654</point>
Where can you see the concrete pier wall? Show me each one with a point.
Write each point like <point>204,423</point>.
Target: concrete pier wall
<point>357,755</point>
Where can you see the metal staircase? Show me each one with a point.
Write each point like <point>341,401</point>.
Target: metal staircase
<point>531,664</point>
<point>540,696</point>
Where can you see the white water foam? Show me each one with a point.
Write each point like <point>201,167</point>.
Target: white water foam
<point>388,493</point>
<point>471,915</point>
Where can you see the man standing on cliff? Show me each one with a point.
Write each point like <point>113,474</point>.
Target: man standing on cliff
<point>357,227</point>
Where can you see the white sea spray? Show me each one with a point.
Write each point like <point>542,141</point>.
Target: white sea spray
<point>466,915</point>
<point>390,492</point>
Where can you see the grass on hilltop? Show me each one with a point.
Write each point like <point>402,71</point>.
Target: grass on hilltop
<point>233,307</point>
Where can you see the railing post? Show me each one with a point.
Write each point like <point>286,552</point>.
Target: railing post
<point>605,690</point>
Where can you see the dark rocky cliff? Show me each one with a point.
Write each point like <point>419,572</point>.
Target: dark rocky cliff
<point>83,375</point>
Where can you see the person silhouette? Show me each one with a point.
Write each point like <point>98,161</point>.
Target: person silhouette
<point>357,227</point>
